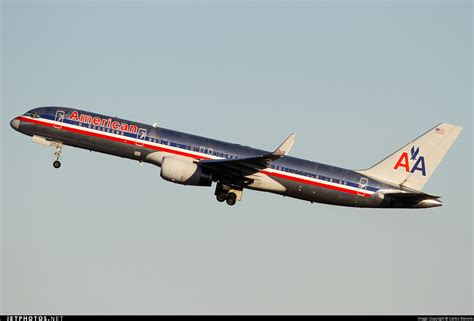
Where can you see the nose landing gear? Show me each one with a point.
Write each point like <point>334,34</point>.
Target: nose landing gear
<point>57,153</point>
<point>228,194</point>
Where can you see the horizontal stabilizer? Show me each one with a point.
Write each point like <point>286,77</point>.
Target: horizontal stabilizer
<point>409,200</point>
<point>412,196</point>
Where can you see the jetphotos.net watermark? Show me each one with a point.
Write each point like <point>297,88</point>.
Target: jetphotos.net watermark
<point>34,318</point>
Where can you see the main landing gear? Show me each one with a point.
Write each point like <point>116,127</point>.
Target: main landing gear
<point>57,153</point>
<point>228,194</point>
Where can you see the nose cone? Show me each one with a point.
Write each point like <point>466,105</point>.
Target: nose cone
<point>15,123</point>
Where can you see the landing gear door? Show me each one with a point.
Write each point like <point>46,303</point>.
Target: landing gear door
<point>59,119</point>
<point>141,136</point>
<point>362,186</point>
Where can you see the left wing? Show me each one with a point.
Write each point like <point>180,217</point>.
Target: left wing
<point>241,167</point>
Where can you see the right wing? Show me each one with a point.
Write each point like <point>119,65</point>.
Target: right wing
<point>240,167</point>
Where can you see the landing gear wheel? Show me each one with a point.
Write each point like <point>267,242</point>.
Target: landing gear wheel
<point>231,199</point>
<point>221,196</point>
<point>56,164</point>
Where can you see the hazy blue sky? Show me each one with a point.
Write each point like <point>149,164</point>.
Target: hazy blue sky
<point>354,80</point>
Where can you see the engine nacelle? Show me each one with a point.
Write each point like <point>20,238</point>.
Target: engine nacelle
<point>183,172</point>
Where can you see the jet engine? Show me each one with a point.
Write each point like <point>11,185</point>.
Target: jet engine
<point>184,172</point>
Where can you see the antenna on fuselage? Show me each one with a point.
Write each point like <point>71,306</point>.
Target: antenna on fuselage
<point>155,125</point>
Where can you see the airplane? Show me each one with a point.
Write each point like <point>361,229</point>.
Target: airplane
<point>394,182</point>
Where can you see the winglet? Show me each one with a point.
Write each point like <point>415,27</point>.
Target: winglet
<point>285,147</point>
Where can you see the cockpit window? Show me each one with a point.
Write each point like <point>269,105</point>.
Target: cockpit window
<point>35,115</point>
<point>27,114</point>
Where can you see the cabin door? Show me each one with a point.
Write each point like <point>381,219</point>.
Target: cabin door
<point>141,135</point>
<point>59,119</point>
<point>362,186</point>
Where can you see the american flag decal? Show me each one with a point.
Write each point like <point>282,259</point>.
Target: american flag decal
<point>439,131</point>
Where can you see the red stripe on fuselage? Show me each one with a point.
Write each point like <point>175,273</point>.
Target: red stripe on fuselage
<point>172,151</point>
<point>112,138</point>
<point>305,181</point>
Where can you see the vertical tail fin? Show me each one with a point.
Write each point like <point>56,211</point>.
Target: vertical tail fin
<point>413,165</point>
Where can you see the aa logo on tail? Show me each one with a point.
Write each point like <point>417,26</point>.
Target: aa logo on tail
<point>418,161</point>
